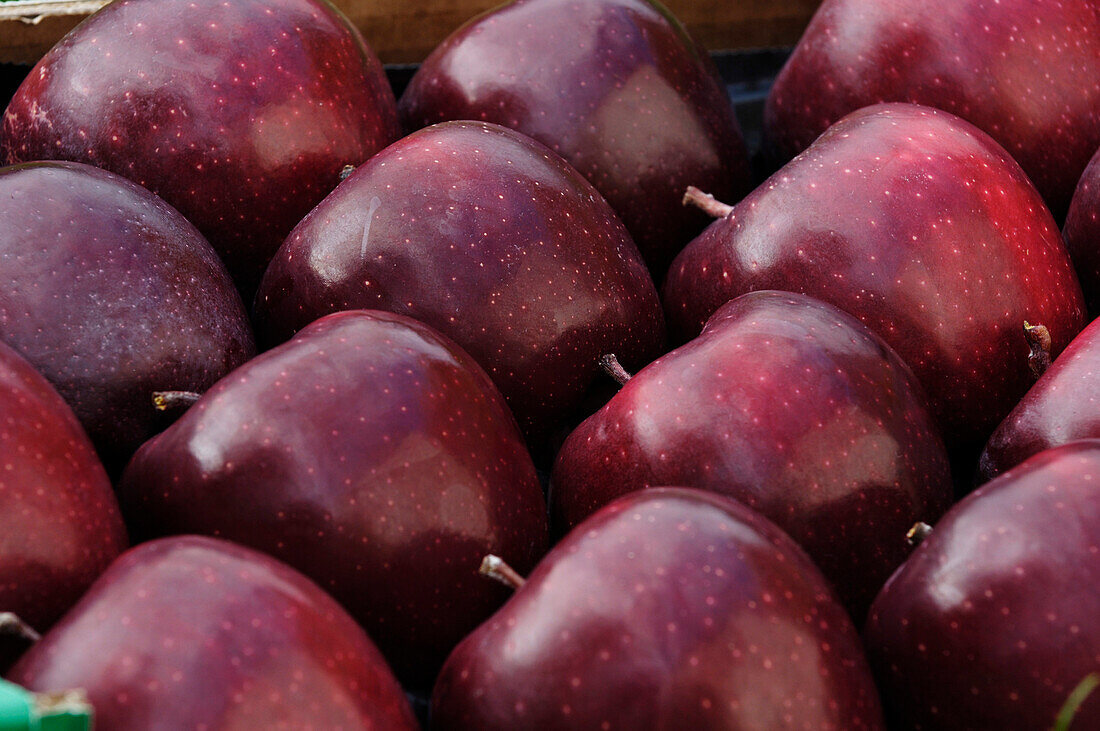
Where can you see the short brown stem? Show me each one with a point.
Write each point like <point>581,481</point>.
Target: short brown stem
<point>612,367</point>
<point>495,568</point>
<point>1038,339</point>
<point>918,533</point>
<point>706,202</point>
<point>11,625</point>
<point>165,400</point>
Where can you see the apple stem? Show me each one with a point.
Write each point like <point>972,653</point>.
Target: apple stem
<point>1038,339</point>
<point>612,367</point>
<point>495,568</point>
<point>918,533</point>
<point>706,202</point>
<point>12,626</point>
<point>165,400</point>
<point>346,171</point>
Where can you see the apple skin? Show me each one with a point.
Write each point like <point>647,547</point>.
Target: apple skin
<point>491,239</point>
<point>60,526</point>
<point>1082,232</point>
<point>372,454</point>
<point>112,295</point>
<point>616,87</point>
<point>1025,72</point>
<point>195,632</point>
<point>921,226</point>
<point>995,618</point>
<point>669,608</point>
<point>791,407</point>
<point>240,115</point>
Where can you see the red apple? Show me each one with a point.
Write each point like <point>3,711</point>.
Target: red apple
<point>921,226</point>
<point>1024,71</point>
<point>667,609</point>
<point>239,114</point>
<point>194,632</point>
<point>1082,232</point>
<point>616,87</point>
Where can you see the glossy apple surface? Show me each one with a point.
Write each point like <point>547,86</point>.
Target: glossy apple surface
<point>1082,232</point>
<point>239,114</point>
<point>995,618</point>
<point>194,632</point>
<point>921,226</point>
<point>1025,72</point>
<point>373,455</point>
<point>616,87</point>
<point>791,407</point>
<point>112,295</point>
<point>491,239</point>
<point>59,521</point>
<point>669,608</point>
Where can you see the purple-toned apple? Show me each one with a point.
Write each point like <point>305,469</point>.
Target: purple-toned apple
<point>1025,72</point>
<point>239,114</point>
<point>670,608</point>
<point>616,87</point>
<point>1082,232</point>
<point>921,226</point>
<point>491,239</point>
<point>194,632</point>
<point>791,407</point>
<point>995,619</point>
<point>372,454</point>
<point>112,295</point>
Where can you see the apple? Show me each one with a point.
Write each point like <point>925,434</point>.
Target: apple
<point>1025,72</point>
<point>1082,232</point>
<point>60,524</point>
<point>616,87</point>
<point>491,239</point>
<point>112,295</point>
<point>671,608</point>
<point>239,114</point>
<point>791,407</point>
<point>194,632</point>
<point>372,454</point>
<point>921,226</point>
<point>995,619</point>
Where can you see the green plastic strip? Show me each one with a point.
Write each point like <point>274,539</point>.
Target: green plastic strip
<point>21,710</point>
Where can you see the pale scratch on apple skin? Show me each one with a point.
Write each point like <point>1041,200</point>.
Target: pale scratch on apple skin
<point>374,203</point>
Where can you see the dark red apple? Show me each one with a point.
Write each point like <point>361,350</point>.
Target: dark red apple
<point>112,295</point>
<point>491,239</point>
<point>239,114</point>
<point>59,522</point>
<point>995,618</point>
<point>193,632</point>
<point>372,454</point>
<point>616,87</point>
<point>669,608</point>
<point>793,408</point>
<point>921,226</point>
<point>1026,72</point>
<point>1061,407</point>
<point>1082,232</point>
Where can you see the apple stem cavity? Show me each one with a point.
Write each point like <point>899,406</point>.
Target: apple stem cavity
<point>165,400</point>
<point>495,568</point>
<point>612,367</point>
<point>11,625</point>
<point>918,533</point>
<point>1038,339</point>
<point>706,202</point>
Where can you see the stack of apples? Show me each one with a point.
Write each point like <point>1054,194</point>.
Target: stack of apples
<point>818,451</point>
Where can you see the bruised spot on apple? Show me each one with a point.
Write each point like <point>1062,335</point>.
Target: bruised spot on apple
<point>923,228</point>
<point>112,295</point>
<point>669,608</point>
<point>194,632</point>
<point>490,238</point>
<point>995,619</point>
<point>793,408</point>
<point>372,454</point>
<point>60,524</point>
<point>239,114</point>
